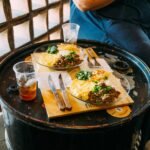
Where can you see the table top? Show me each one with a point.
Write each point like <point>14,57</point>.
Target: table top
<point>34,112</point>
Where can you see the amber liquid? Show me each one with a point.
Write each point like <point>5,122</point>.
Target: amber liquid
<point>28,93</point>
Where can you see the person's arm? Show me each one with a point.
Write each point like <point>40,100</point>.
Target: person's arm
<point>85,5</point>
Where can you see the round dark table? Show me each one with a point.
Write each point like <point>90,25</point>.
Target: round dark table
<point>28,127</point>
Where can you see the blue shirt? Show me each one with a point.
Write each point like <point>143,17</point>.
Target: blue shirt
<point>124,23</point>
<point>134,11</point>
<point>94,25</point>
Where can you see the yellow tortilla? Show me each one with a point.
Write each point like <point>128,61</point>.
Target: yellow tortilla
<point>81,88</point>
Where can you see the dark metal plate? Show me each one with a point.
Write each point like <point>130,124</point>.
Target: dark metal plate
<point>33,113</point>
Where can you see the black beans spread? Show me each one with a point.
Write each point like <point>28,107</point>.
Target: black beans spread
<point>103,94</point>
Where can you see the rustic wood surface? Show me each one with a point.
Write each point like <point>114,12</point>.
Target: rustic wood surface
<point>77,105</point>
<point>34,112</point>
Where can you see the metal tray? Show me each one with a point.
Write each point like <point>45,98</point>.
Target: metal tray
<point>33,113</point>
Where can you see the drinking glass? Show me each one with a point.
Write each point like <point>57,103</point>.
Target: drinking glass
<point>70,32</point>
<point>26,80</point>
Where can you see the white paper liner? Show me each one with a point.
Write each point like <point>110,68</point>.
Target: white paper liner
<point>42,77</point>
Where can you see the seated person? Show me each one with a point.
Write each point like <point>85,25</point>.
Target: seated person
<point>123,23</point>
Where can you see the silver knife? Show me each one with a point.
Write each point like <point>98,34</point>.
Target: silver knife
<point>65,97</point>
<point>60,103</point>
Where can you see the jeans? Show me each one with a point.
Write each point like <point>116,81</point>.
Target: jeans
<point>132,37</point>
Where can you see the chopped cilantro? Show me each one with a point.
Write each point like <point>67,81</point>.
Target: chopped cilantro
<point>95,81</point>
<point>52,50</point>
<point>72,53</point>
<point>70,56</point>
<point>107,88</point>
<point>96,88</point>
<point>83,75</point>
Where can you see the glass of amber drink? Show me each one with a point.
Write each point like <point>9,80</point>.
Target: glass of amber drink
<point>26,80</point>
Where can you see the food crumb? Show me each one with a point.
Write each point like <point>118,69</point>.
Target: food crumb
<point>43,105</point>
<point>135,93</point>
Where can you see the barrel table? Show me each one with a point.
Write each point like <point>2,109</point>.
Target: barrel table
<point>28,127</point>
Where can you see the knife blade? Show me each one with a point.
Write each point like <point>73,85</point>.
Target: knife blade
<point>60,103</point>
<point>64,94</point>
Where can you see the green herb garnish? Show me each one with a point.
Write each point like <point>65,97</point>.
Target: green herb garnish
<point>83,75</point>
<point>96,88</point>
<point>72,53</point>
<point>70,56</point>
<point>95,81</point>
<point>107,88</point>
<point>52,50</point>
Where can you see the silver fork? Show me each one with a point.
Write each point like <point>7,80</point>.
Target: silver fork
<point>93,63</point>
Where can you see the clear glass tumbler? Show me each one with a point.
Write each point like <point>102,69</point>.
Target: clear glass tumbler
<point>70,32</point>
<point>26,80</point>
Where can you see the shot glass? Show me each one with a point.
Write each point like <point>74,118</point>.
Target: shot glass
<point>25,76</point>
<point>70,32</point>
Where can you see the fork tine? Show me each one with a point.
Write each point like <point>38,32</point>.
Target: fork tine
<point>92,65</point>
<point>92,53</point>
<point>89,58</point>
<point>89,51</point>
<point>89,63</point>
<point>92,62</point>
<point>96,62</point>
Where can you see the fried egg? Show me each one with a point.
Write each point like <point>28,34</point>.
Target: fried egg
<point>48,59</point>
<point>69,47</point>
<point>81,88</point>
<point>99,75</point>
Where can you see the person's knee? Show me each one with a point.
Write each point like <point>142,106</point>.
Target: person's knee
<point>142,50</point>
<point>142,45</point>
